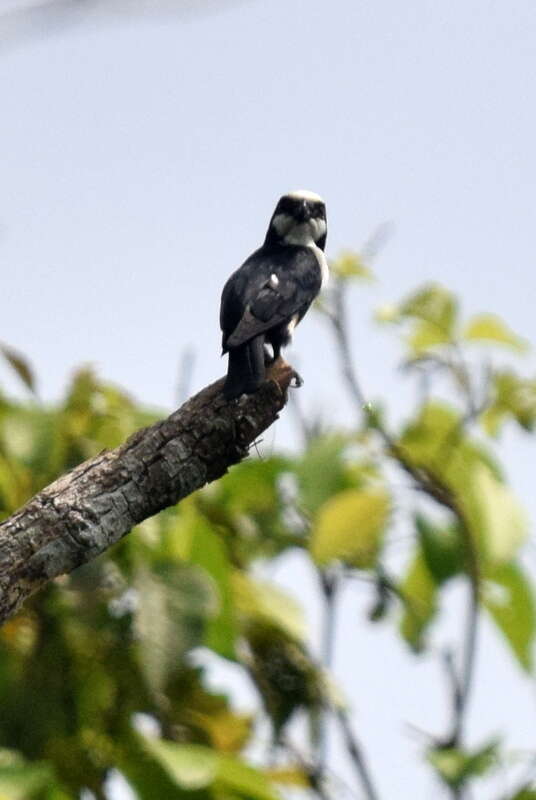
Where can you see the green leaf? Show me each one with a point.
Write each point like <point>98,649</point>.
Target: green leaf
<point>425,335</point>
<point>349,527</point>
<point>490,328</point>
<point>433,304</point>
<point>418,592</point>
<point>209,552</point>
<point>324,470</point>
<point>512,397</point>
<point>245,781</point>
<point>285,676</point>
<point>524,794</point>
<point>456,766</point>
<point>264,601</point>
<point>496,519</point>
<point>441,547</point>
<point>149,768</point>
<point>247,507</point>
<point>350,265</point>
<point>292,776</point>
<point>190,537</point>
<point>20,365</point>
<point>436,440</point>
<point>194,767</point>
<point>509,598</point>
<point>189,766</point>
<point>387,313</point>
<point>252,487</point>
<point>174,603</point>
<point>20,780</point>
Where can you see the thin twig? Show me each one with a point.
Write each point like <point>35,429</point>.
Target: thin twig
<point>356,754</point>
<point>329,584</point>
<point>317,784</point>
<point>465,680</point>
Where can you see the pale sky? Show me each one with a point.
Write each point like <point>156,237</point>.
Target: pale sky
<point>141,163</point>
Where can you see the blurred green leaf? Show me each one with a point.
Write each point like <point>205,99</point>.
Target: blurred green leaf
<point>145,764</point>
<point>511,396</point>
<point>265,602</point>
<point>324,470</point>
<point>456,766</point>
<point>15,485</point>
<point>387,313</point>
<point>252,486</point>
<point>434,304</point>
<point>491,328</point>
<point>284,674</point>
<point>189,766</point>
<point>441,547</point>
<point>418,592</point>
<point>349,527</point>
<point>350,265</point>
<point>246,782</point>
<point>436,441</point>
<point>494,515</point>
<point>432,314</point>
<point>193,768</point>
<point>174,603</point>
<point>425,335</point>
<point>247,508</point>
<point>292,776</point>
<point>509,598</point>
<point>209,552</point>
<point>20,365</point>
<point>188,536</point>
<point>20,780</point>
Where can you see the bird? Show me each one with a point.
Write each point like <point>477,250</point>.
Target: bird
<point>265,298</point>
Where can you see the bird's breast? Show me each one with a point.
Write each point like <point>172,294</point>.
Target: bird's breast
<point>322,263</point>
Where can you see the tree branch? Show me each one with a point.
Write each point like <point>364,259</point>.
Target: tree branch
<point>90,508</point>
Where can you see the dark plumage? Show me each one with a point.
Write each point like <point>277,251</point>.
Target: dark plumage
<point>269,294</point>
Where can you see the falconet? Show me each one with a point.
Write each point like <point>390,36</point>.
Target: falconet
<point>264,300</point>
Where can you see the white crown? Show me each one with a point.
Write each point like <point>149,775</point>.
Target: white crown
<point>304,194</point>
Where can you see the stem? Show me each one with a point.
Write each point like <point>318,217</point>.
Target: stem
<point>462,683</point>
<point>468,664</point>
<point>329,584</point>
<point>356,755</point>
<point>330,587</point>
<point>340,326</point>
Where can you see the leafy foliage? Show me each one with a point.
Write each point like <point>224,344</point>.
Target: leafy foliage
<point>114,644</point>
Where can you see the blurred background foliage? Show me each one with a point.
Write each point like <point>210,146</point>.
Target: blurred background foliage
<point>97,673</point>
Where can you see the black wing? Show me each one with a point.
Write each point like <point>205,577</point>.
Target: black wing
<point>269,288</point>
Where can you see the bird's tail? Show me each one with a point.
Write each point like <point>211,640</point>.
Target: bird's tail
<point>245,371</point>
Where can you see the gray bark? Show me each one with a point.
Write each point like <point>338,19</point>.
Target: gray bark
<point>90,508</point>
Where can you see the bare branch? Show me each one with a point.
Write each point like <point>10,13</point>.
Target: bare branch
<point>356,755</point>
<point>90,508</point>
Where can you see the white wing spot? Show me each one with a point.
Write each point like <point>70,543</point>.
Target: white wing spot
<point>292,324</point>
<point>274,281</point>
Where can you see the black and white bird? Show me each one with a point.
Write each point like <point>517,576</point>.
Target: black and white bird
<point>263,301</point>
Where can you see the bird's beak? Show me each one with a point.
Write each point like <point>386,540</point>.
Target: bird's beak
<point>304,212</point>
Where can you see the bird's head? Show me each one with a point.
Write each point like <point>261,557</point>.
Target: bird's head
<point>299,218</point>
